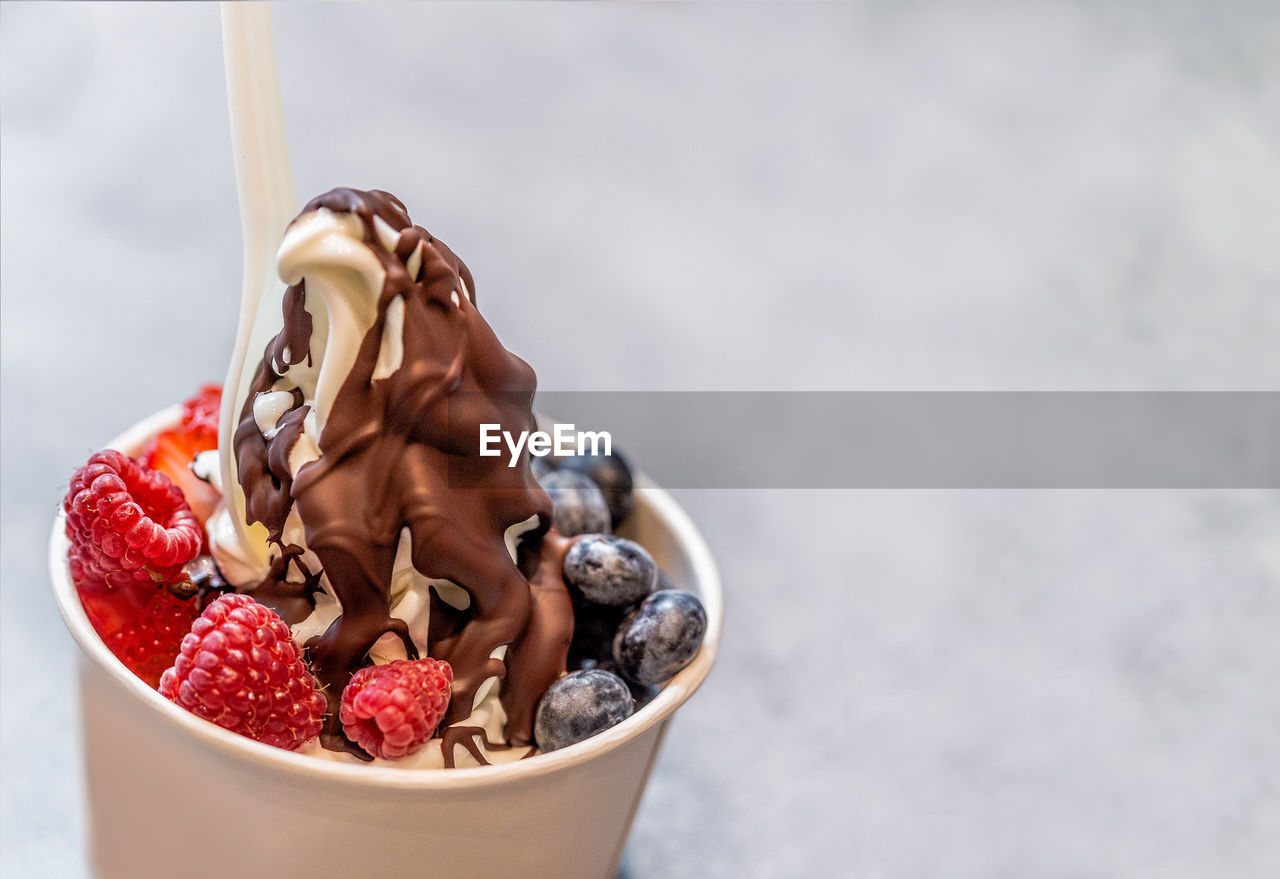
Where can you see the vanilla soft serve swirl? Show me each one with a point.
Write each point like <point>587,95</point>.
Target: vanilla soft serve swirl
<point>383,536</point>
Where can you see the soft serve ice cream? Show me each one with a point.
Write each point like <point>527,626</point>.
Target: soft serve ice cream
<point>359,421</point>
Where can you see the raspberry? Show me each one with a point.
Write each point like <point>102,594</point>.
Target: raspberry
<point>239,668</point>
<point>390,710</point>
<point>129,526</point>
<point>143,631</point>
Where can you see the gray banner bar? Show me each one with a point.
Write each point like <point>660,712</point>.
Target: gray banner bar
<point>938,439</point>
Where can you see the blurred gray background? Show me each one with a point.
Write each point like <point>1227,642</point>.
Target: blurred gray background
<point>871,196</point>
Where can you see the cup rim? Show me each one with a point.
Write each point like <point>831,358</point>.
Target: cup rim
<point>263,756</point>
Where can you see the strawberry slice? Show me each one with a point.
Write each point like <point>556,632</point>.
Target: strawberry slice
<point>143,628</point>
<point>172,451</point>
<point>200,413</point>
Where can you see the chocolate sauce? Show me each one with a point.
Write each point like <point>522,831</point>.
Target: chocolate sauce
<point>402,452</point>
<point>292,600</point>
<point>264,472</point>
<point>468,737</point>
<point>293,345</point>
<point>538,657</point>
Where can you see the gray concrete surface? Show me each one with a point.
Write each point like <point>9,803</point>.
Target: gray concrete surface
<point>872,196</point>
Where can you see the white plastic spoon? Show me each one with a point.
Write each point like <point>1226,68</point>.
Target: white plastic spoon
<point>264,180</point>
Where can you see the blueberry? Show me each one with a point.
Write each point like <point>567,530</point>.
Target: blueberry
<point>580,507</point>
<point>611,473</point>
<point>610,570</point>
<point>579,705</point>
<point>660,637</point>
<point>641,694</point>
<point>594,626</point>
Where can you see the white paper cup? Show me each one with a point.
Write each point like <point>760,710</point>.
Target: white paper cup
<point>171,795</point>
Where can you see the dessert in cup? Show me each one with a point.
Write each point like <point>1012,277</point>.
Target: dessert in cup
<point>351,598</point>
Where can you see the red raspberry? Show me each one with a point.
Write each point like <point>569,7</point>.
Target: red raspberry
<point>128,525</point>
<point>143,631</point>
<point>240,669</point>
<point>390,710</point>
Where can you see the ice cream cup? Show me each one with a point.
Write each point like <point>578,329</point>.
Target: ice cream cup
<point>172,795</point>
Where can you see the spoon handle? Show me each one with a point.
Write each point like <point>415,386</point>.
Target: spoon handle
<point>264,180</point>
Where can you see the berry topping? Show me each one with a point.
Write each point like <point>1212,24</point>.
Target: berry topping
<point>580,508</point>
<point>200,414</point>
<point>660,637</point>
<point>129,526</point>
<point>641,694</point>
<point>391,710</point>
<point>142,629</point>
<point>239,668</point>
<point>594,626</point>
<point>611,473</point>
<point>172,451</point>
<point>578,706</point>
<point>610,570</point>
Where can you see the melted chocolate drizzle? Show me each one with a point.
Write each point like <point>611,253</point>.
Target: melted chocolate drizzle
<point>468,737</point>
<point>293,601</point>
<point>402,452</point>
